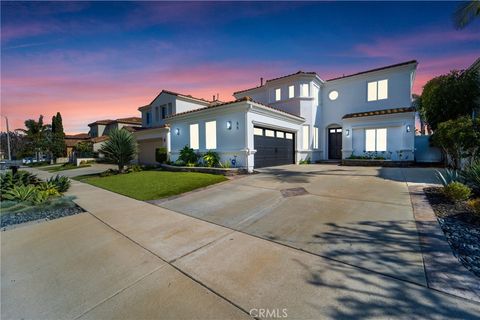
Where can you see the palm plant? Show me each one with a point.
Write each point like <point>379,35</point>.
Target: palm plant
<point>466,13</point>
<point>121,148</point>
<point>37,135</point>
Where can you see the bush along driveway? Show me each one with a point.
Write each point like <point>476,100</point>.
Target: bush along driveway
<point>151,185</point>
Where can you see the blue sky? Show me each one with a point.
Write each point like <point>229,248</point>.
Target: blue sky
<point>105,59</point>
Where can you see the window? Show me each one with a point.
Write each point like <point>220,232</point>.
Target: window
<point>269,133</point>
<point>164,112</point>
<point>376,139</point>
<point>306,136</point>
<point>315,95</point>
<point>170,109</point>
<point>194,136</point>
<point>280,134</point>
<point>148,117</point>
<point>377,90</point>
<point>291,91</point>
<point>289,136</point>
<point>211,135</point>
<point>157,114</point>
<point>333,95</point>
<point>258,131</point>
<point>278,94</point>
<point>315,137</point>
<point>304,90</point>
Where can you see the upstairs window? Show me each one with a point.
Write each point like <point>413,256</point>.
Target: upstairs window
<point>291,92</point>
<point>377,90</point>
<point>164,111</point>
<point>278,94</point>
<point>148,117</point>
<point>194,136</point>
<point>211,135</point>
<point>157,115</point>
<point>170,109</point>
<point>304,90</point>
<point>376,139</point>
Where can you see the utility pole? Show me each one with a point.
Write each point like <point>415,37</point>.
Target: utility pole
<point>8,141</point>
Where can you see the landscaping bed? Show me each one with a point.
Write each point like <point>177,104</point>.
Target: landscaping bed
<point>460,225</point>
<point>375,163</point>
<point>66,166</point>
<point>12,213</point>
<point>152,185</point>
<point>211,170</point>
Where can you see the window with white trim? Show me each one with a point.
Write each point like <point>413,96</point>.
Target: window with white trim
<point>288,136</point>
<point>194,141</point>
<point>377,90</point>
<point>280,134</point>
<point>269,133</point>
<point>376,139</point>
<point>304,90</point>
<point>211,135</point>
<point>291,91</point>
<point>258,131</point>
<point>306,137</point>
<point>278,94</point>
<point>315,137</point>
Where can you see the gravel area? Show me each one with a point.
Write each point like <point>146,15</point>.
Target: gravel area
<point>461,227</point>
<point>8,219</point>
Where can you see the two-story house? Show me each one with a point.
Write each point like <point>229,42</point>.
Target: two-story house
<point>291,118</point>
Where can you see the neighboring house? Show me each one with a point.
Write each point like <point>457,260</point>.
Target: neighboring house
<point>71,141</point>
<point>289,119</point>
<point>102,127</point>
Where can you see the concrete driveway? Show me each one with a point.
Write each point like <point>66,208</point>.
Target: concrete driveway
<point>356,215</point>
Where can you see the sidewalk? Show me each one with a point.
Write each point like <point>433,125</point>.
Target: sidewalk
<point>130,259</point>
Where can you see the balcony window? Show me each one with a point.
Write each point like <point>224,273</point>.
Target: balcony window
<point>304,90</point>
<point>377,90</point>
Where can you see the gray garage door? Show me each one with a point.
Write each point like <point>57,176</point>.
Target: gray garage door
<point>274,147</point>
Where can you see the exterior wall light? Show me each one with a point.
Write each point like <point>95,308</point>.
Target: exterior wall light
<point>177,131</point>
<point>229,125</point>
<point>347,132</point>
<point>408,128</point>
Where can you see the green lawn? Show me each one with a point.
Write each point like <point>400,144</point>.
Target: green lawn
<point>68,166</point>
<point>150,185</point>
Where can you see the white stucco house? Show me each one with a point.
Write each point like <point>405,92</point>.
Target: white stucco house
<point>289,119</point>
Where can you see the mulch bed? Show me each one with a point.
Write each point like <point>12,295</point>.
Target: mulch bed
<point>9,219</point>
<point>461,227</point>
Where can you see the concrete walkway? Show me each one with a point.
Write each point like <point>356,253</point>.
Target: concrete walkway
<point>128,259</point>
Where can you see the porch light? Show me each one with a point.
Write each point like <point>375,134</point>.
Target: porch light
<point>347,132</point>
<point>408,128</point>
<point>229,125</point>
<point>177,131</point>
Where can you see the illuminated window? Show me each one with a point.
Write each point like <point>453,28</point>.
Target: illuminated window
<point>211,135</point>
<point>306,137</point>
<point>258,131</point>
<point>377,90</point>
<point>333,95</point>
<point>291,91</point>
<point>278,94</point>
<point>376,139</point>
<point>269,133</point>
<point>289,136</point>
<point>194,136</point>
<point>304,89</point>
<point>315,137</point>
<point>280,134</point>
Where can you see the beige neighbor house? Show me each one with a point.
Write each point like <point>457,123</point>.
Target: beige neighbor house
<point>99,129</point>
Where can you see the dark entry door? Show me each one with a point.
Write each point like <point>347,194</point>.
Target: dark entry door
<point>335,143</point>
<point>274,147</point>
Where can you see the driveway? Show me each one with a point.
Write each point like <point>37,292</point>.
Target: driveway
<point>360,216</point>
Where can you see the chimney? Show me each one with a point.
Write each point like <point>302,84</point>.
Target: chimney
<point>261,82</point>
<point>217,96</point>
<point>213,99</point>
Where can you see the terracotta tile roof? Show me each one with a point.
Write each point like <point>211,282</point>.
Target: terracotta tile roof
<point>178,95</point>
<point>269,80</point>
<point>376,69</point>
<point>100,139</point>
<point>140,129</point>
<point>129,120</point>
<point>231,102</point>
<point>84,136</point>
<point>378,112</point>
<point>72,142</point>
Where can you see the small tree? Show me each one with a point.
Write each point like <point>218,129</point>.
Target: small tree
<point>448,97</point>
<point>458,139</point>
<point>37,136</point>
<point>121,148</point>
<point>57,147</point>
<point>84,148</point>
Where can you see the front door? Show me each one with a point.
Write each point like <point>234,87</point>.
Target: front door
<point>335,143</point>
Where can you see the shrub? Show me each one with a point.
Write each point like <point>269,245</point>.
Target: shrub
<point>179,163</point>
<point>457,191</point>
<point>134,168</point>
<point>474,204</point>
<point>211,159</point>
<point>49,188</point>
<point>471,175</point>
<point>61,183</point>
<point>109,172</point>
<point>191,164</point>
<point>121,148</point>
<point>21,193</point>
<point>22,178</point>
<point>161,155</point>
<point>448,177</point>
<point>188,155</point>
<point>306,161</point>
<point>226,164</point>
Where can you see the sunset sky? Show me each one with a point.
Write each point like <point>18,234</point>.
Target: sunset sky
<point>99,60</point>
